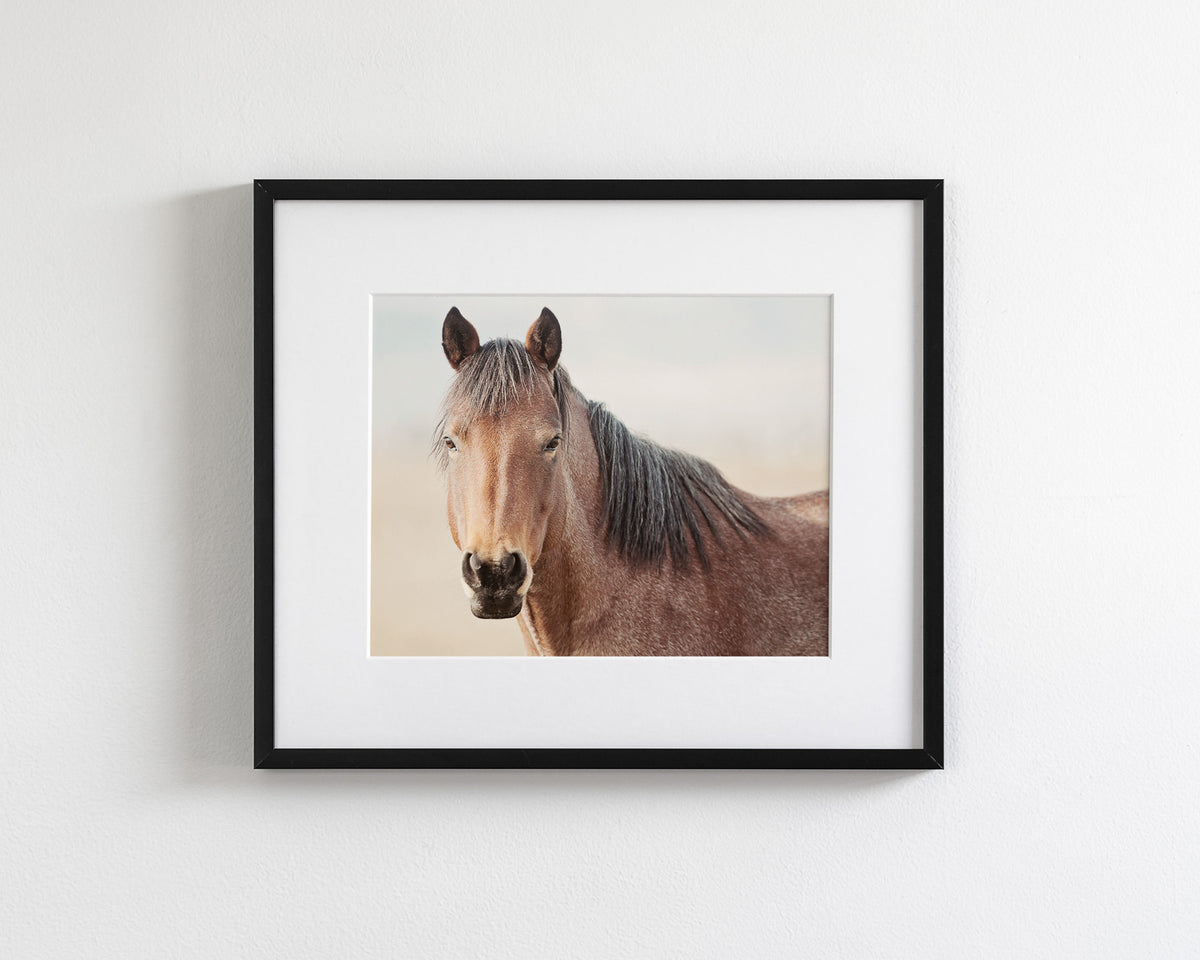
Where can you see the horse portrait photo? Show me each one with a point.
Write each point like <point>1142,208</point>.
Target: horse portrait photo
<point>683,511</point>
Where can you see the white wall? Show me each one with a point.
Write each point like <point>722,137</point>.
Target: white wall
<point>1065,824</point>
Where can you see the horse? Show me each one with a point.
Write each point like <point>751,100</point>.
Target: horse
<point>602,542</point>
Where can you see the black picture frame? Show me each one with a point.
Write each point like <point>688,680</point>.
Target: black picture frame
<point>928,192</point>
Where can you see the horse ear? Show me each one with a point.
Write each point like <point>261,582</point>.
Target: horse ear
<point>544,339</point>
<point>459,339</point>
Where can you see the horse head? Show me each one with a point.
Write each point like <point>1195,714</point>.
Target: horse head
<point>502,443</point>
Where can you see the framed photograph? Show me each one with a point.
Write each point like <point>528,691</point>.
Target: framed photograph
<point>598,473</point>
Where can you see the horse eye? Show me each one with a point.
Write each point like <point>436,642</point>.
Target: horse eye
<point>553,444</point>
<point>449,443</point>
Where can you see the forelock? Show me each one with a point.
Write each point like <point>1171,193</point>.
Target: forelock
<point>499,373</point>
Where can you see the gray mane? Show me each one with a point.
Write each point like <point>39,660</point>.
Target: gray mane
<point>655,499</point>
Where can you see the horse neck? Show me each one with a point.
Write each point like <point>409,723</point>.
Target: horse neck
<point>576,571</point>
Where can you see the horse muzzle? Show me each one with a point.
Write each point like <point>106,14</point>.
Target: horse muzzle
<point>496,587</point>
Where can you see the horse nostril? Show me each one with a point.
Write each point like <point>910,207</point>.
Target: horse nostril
<point>513,567</point>
<point>470,569</point>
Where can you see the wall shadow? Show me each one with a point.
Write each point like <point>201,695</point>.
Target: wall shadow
<point>507,785</point>
<point>216,393</point>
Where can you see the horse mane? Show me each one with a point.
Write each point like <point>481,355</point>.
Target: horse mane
<point>655,498</point>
